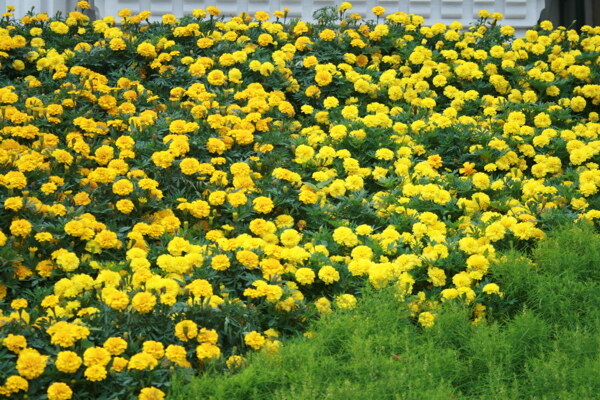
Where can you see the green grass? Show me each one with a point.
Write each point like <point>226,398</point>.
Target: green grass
<point>546,346</point>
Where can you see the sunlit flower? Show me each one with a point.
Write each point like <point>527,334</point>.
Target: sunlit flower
<point>255,340</point>
<point>59,391</point>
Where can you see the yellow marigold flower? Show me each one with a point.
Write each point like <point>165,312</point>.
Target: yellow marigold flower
<point>481,180</point>
<point>204,43</point>
<point>313,91</point>
<point>198,13</point>
<point>189,166</point>
<point>272,346</point>
<point>115,298</point>
<point>178,355</point>
<point>495,231</point>
<point>68,362</point>
<point>220,262</point>
<point>31,363</point>
<point>14,384</point>
<point>323,306</point>
<point>451,293</point>
<point>13,203</point>
<point>264,39</point>
<point>162,159</point>
<point>18,304</point>
<point>124,13</point>
<point>59,391</point>
<point>237,199</point>
<point>331,102</point>
<point>142,361</point>
<point>302,43</point>
<point>59,27</point>
<point>478,262</point>
<point>307,109</point>
<point>122,187</point>
<point>507,30</point>
<point>307,196</point>
<point>213,11</point>
<point>117,44</point>
<point>378,10</point>
<point>147,50</point>
<point>363,229</point>
<point>95,373</point>
<point>344,236</point>
<point>323,78</point>
<point>255,340</point>
<point>151,393</point>
<point>119,364</point>
<point>107,239</point>
<point>207,350</point>
<point>437,276</point>
<point>82,199</point>
<point>435,161</point>
<point>327,35</point>
<point>329,274</point>
<point>22,272</point>
<point>15,343</point>
<point>143,302</point>
<point>462,279</point>
<point>426,319</point>
<point>247,258</point>
<point>215,145</point>
<point>20,227</point>
<point>491,288</point>
<point>169,19</point>
<point>208,336</point>
<point>96,356</point>
<point>305,276</point>
<point>44,237</point>
<point>14,180</point>
<point>186,330</point>
<point>345,6</point>
<point>67,261</point>
<point>125,206</point>
<point>261,16</point>
<point>199,208</point>
<point>216,77</point>
<point>577,103</point>
<point>66,334</point>
<point>290,237</point>
<point>235,361</point>
<point>468,168</point>
<point>115,345</point>
<point>154,348</point>
<point>345,301</point>
<point>262,204</point>
<point>542,120</point>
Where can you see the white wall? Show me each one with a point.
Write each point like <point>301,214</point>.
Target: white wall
<point>49,6</point>
<point>521,14</point>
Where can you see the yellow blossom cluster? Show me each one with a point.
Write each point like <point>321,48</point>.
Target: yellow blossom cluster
<point>175,193</point>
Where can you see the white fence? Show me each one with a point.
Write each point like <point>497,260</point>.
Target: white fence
<point>521,14</point>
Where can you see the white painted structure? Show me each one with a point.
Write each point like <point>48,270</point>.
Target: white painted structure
<point>521,14</point>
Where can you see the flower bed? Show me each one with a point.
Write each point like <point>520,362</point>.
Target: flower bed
<point>178,193</point>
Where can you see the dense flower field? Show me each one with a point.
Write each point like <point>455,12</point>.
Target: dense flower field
<point>176,194</point>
